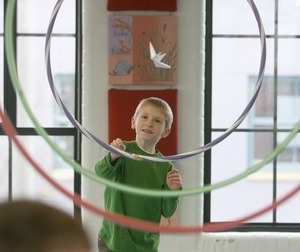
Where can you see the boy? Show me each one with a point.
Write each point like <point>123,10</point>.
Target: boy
<point>152,121</point>
<point>31,226</point>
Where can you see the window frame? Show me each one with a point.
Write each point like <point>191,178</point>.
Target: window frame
<point>208,130</point>
<point>10,101</point>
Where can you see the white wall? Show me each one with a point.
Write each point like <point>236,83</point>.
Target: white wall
<point>191,30</point>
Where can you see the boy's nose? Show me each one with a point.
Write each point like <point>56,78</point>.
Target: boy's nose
<point>149,124</point>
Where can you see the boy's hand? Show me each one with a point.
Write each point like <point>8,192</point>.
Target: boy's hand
<point>118,144</point>
<point>174,181</point>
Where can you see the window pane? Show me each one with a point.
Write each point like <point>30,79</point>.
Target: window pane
<point>1,53</point>
<point>30,184</point>
<point>289,99</point>
<point>242,198</point>
<point>288,57</point>
<point>4,166</point>
<point>234,61</point>
<point>289,18</point>
<point>262,113</point>
<point>65,85</point>
<point>34,82</point>
<point>289,212</point>
<point>289,158</point>
<point>236,17</point>
<point>1,74</point>
<point>288,102</point>
<point>37,14</point>
<point>2,15</point>
<point>287,89</point>
<point>261,144</point>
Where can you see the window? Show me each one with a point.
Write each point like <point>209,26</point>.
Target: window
<point>232,63</point>
<point>18,178</point>
<point>1,52</point>
<point>288,98</point>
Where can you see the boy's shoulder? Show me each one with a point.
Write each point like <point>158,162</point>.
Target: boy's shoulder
<point>132,147</point>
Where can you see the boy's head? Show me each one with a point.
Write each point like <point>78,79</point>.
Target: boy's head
<point>160,104</point>
<point>30,226</point>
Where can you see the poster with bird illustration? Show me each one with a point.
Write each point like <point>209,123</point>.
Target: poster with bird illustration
<point>142,50</point>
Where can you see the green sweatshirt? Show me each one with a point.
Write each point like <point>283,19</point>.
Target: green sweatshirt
<point>142,174</point>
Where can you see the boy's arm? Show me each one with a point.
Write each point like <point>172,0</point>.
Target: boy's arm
<point>173,182</point>
<point>169,206</point>
<point>108,166</point>
<point>105,168</point>
<point>118,144</point>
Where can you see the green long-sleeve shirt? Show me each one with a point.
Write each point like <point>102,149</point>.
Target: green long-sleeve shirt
<point>143,174</point>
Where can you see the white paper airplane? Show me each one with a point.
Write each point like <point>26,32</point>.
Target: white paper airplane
<point>157,57</point>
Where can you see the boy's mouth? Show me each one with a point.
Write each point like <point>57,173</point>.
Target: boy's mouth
<point>147,131</point>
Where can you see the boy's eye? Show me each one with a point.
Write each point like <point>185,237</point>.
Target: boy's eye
<point>158,121</point>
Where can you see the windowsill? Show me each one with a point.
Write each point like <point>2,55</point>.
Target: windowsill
<point>63,174</point>
<point>281,176</point>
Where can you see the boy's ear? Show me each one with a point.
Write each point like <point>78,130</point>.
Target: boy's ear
<point>132,123</point>
<point>165,133</point>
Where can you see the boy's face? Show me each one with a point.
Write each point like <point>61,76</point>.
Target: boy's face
<point>150,124</point>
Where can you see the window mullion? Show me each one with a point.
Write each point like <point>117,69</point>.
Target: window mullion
<point>208,107</point>
<point>78,95</point>
<point>275,119</point>
<point>10,98</point>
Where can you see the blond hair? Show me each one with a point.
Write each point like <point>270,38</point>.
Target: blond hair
<point>158,103</point>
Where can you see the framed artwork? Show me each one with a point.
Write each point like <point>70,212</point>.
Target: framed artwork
<point>142,50</point>
<point>157,5</point>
